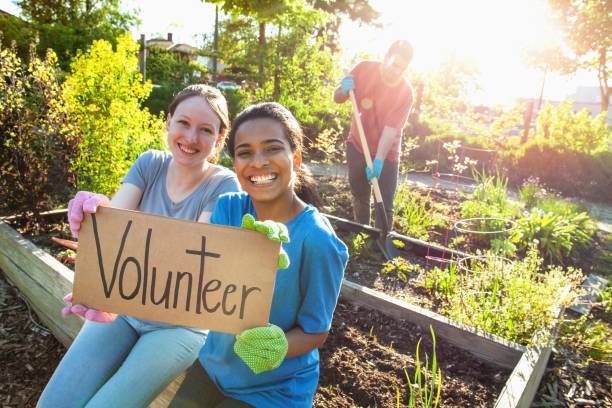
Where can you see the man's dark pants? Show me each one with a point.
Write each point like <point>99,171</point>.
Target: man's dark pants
<point>362,190</point>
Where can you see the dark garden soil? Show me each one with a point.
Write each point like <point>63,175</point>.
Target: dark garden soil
<point>28,351</point>
<point>363,362</point>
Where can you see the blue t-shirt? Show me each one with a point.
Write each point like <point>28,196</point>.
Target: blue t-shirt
<point>305,295</point>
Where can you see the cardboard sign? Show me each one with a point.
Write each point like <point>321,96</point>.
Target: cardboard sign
<point>175,271</point>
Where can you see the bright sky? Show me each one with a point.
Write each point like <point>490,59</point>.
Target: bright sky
<point>493,34</point>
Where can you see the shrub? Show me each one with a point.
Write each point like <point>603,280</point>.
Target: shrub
<point>105,92</point>
<point>563,129</point>
<point>568,172</point>
<point>37,134</point>
<point>555,235</point>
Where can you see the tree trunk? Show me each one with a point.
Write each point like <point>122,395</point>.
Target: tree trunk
<point>215,45</point>
<point>602,75</point>
<point>277,67</point>
<point>262,49</point>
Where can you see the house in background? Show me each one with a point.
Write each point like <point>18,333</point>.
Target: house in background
<point>185,51</point>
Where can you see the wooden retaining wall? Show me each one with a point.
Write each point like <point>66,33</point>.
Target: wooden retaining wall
<point>44,281</point>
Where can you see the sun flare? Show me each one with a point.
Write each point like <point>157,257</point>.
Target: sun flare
<point>492,35</point>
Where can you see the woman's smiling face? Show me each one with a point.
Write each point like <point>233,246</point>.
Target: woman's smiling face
<point>193,131</point>
<point>263,160</point>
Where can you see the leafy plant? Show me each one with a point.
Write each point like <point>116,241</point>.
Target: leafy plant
<point>555,235</point>
<point>415,214</point>
<point>593,338</point>
<point>400,267</point>
<point>426,385</point>
<point>359,245</point>
<point>489,199</point>
<point>328,145</point>
<point>443,282</point>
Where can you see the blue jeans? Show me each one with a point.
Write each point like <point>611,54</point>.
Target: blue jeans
<point>126,363</point>
<point>362,190</point>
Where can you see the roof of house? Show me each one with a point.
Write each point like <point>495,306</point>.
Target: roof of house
<point>184,48</point>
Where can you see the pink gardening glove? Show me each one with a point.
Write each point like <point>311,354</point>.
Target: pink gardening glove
<point>89,314</point>
<point>84,202</point>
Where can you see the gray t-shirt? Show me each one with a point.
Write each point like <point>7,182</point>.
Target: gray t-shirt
<point>149,174</point>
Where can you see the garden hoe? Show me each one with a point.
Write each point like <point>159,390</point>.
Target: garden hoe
<point>385,241</point>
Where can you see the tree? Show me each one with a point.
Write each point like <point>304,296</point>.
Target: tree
<point>320,17</point>
<point>105,93</point>
<point>70,25</point>
<point>588,30</point>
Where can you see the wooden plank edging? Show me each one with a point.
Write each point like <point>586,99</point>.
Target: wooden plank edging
<point>485,346</point>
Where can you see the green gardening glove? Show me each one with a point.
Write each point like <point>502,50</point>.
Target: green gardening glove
<point>262,348</point>
<point>275,231</point>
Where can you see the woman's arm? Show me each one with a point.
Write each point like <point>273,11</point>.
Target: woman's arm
<point>127,197</point>
<point>301,343</point>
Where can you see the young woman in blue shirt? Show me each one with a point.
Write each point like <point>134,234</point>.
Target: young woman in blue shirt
<point>278,365</point>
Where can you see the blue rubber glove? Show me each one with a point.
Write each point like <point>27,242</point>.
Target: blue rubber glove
<point>275,231</point>
<point>262,348</point>
<point>377,164</point>
<point>347,84</point>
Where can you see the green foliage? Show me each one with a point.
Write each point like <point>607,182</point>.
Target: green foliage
<point>533,194</point>
<point>328,147</point>
<point>556,235</point>
<point>105,92</point>
<point>37,137</point>
<point>225,161</point>
<point>67,27</point>
<point>512,301</point>
<point>562,129</point>
<point>299,69</point>
<point>237,100</point>
<point>443,283</point>
<point>488,213</point>
<point>170,73</point>
<point>586,25</point>
<point>426,385</point>
<point>415,215</point>
<point>304,90</point>
<point>489,199</point>
<point>14,30</point>
<point>592,338</point>
<point>360,245</point>
<point>401,268</point>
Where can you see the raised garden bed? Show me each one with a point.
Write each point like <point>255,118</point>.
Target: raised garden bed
<point>44,280</point>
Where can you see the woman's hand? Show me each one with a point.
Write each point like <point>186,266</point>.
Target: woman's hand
<point>275,231</point>
<point>84,202</point>
<point>262,348</point>
<point>89,314</point>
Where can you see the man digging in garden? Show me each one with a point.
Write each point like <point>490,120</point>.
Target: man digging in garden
<point>384,98</point>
